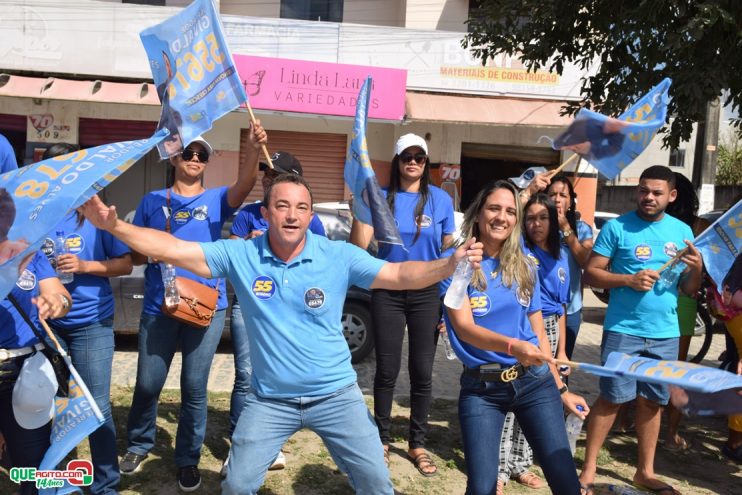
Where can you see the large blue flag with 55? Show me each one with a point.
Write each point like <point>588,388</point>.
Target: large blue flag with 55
<point>721,243</point>
<point>369,205</point>
<point>611,144</point>
<point>194,73</point>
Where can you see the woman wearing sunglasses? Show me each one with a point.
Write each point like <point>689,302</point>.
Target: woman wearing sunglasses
<point>190,212</point>
<point>424,214</point>
<point>498,333</point>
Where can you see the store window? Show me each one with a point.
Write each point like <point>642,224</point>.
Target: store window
<point>677,158</point>
<point>312,10</point>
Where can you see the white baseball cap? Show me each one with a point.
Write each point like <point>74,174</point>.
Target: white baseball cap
<point>200,140</point>
<point>408,141</point>
<point>34,391</point>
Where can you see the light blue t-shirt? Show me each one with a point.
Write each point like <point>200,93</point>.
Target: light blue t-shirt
<point>437,221</point>
<point>7,156</point>
<point>501,309</point>
<point>634,244</point>
<point>194,218</point>
<point>575,272</point>
<point>92,297</point>
<point>553,275</point>
<point>250,218</point>
<point>14,332</point>
<point>297,347</point>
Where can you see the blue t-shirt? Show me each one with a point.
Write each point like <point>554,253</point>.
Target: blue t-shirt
<point>14,332</point>
<point>501,309</point>
<point>553,276</point>
<point>634,244</point>
<point>437,221</point>
<point>250,218</point>
<point>92,297</point>
<point>297,347</point>
<point>195,218</point>
<point>7,156</point>
<point>575,272</point>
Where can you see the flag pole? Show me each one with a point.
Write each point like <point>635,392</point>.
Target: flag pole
<point>565,163</point>
<point>262,146</point>
<point>51,336</point>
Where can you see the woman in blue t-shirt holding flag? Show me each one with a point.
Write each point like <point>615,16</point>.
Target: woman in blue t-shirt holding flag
<point>424,214</point>
<point>498,334</point>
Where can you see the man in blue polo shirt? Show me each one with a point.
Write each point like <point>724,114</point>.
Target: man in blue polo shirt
<point>292,283</point>
<point>642,314</point>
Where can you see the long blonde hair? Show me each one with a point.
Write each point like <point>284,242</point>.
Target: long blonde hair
<point>516,267</point>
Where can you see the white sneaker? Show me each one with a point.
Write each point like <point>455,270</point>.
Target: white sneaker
<point>279,463</point>
<point>223,472</point>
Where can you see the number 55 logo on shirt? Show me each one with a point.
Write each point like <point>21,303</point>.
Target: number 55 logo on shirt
<point>263,287</point>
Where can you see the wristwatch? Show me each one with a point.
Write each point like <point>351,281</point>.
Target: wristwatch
<point>567,233</point>
<point>563,389</point>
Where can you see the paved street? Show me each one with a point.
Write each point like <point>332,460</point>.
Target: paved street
<point>446,373</point>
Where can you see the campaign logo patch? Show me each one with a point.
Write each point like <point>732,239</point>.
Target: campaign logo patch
<point>480,303</point>
<point>562,273</point>
<point>182,217</point>
<point>263,287</point>
<point>642,252</point>
<point>27,280</point>
<point>201,212</point>
<point>425,221</point>
<point>75,243</point>
<point>314,298</point>
<point>524,298</point>
<point>671,249</point>
<point>47,247</point>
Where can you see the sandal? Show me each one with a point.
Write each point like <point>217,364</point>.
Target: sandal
<point>529,479</point>
<point>386,456</point>
<point>423,463</point>
<point>588,489</point>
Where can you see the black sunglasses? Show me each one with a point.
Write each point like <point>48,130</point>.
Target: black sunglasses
<point>188,154</point>
<point>408,157</point>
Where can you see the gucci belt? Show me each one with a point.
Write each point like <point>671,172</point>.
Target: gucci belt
<point>496,375</point>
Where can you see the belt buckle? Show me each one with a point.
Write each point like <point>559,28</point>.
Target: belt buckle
<point>509,374</point>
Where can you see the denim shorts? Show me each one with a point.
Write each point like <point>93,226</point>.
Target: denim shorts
<point>621,390</point>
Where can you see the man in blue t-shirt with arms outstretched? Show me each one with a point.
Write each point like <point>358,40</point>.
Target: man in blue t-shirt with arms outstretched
<point>292,284</point>
<point>642,315</point>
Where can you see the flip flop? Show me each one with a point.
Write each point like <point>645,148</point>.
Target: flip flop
<point>665,489</point>
<point>588,489</point>
<point>677,447</point>
<point>422,462</point>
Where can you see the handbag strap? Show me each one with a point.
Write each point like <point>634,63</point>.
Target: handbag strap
<point>167,225</point>
<point>26,318</point>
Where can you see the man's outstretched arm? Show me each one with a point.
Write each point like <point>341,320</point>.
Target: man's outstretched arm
<point>149,242</point>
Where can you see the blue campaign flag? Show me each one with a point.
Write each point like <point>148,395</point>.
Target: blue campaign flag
<point>720,244</point>
<point>35,198</point>
<point>75,418</point>
<point>194,73</point>
<point>689,376</point>
<point>369,205</point>
<point>611,144</point>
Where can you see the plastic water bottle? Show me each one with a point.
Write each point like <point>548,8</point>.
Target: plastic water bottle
<point>60,248</point>
<point>573,425</point>
<point>450,355</point>
<point>172,298</point>
<point>670,275</point>
<point>457,290</point>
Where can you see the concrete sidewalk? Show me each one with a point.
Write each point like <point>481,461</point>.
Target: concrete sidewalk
<point>445,373</point>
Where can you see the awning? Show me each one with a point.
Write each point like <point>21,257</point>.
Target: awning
<point>425,107</point>
<point>67,89</point>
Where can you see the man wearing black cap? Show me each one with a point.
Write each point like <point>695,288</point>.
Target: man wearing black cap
<point>249,223</point>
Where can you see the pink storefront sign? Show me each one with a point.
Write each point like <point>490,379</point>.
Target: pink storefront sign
<point>320,87</point>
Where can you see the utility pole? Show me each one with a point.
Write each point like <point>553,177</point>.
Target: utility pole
<point>704,158</point>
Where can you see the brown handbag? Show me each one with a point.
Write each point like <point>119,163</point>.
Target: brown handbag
<point>198,302</point>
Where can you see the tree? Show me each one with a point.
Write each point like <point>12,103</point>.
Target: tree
<point>633,43</point>
<point>729,161</point>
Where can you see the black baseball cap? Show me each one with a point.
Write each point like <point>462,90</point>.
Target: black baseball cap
<point>284,163</point>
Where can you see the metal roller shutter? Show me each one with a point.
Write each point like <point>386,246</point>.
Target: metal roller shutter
<point>10,122</point>
<point>95,132</point>
<point>322,156</point>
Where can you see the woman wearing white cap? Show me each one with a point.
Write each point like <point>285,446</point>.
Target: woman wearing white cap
<point>424,214</point>
<point>190,212</point>
<point>25,414</point>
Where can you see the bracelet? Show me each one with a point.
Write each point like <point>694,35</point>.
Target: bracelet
<point>510,345</point>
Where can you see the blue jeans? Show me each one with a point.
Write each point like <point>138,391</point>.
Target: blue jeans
<point>573,321</point>
<point>242,365</point>
<point>341,419</point>
<point>158,339</point>
<point>535,401</point>
<point>91,350</point>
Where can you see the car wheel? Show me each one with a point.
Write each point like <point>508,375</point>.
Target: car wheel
<point>357,330</point>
